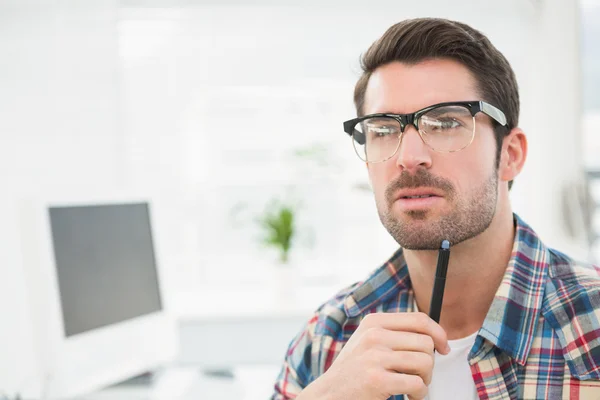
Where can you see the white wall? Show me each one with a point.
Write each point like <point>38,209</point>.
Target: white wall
<point>19,367</point>
<point>552,118</point>
<point>59,128</point>
<point>60,96</point>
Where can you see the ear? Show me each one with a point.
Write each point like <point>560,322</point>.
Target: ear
<point>513,155</point>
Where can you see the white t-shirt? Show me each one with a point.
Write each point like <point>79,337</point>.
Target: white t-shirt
<point>452,377</point>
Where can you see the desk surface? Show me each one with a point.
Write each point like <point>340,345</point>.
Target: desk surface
<point>187,383</point>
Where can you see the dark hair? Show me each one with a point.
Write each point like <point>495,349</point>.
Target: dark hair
<point>416,40</point>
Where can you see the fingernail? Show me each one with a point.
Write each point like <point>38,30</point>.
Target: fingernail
<point>448,349</point>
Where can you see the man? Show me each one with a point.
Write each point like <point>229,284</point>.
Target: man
<point>437,127</point>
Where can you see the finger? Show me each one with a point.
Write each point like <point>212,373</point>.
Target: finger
<point>394,340</point>
<point>409,362</point>
<point>409,322</point>
<point>410,385</point>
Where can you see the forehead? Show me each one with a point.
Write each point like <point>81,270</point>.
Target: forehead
<point>403,88</point>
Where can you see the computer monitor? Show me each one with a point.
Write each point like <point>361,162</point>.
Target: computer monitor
<point>94,278</point>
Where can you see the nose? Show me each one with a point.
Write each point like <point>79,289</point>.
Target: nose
<point>413,152</point>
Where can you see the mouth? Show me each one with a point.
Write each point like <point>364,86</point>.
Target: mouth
<point>418,193</point>
<point>418,199</point>
<point>424,196</point>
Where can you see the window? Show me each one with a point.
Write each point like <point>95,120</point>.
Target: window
<point>590,56</point>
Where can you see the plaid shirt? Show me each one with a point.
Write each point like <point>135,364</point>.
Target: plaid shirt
<point>539,340</point>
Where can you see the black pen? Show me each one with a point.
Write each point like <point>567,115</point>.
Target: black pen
<point>440,281</point>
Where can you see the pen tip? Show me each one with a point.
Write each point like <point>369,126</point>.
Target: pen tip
<point>445,245</point>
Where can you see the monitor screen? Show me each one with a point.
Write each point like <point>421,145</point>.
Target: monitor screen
<point>105,264</point>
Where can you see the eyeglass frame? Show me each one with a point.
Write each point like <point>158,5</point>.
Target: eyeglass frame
<point>474,107</point>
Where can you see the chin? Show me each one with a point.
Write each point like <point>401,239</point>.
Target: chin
<point>418,215</point>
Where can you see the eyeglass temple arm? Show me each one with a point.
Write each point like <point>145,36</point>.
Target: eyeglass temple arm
<point>353,133</point>
<point>493,112</point>
<point>359,137</point>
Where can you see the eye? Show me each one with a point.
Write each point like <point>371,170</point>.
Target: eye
<point>381,131</point>
<point>443,123</point>
<point>378,128</point>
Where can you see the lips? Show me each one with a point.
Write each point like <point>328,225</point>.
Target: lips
<point>418,193</point>
<point>418,199</point>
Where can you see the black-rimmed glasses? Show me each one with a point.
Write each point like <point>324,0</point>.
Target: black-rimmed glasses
<point>444,127</point>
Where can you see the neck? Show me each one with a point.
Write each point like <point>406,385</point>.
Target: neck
<point>475,272</point>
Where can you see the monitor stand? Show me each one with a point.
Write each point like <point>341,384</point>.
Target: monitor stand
<point>169,382</point>
<point>224,373</point>
<point>185,383</point>
<point>145,379</point>
<point>152,378</point>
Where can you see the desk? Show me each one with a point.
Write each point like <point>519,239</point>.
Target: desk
<point>188,383</point>
<point>244,327</point>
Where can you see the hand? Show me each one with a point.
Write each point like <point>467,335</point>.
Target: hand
<point>388,354</point>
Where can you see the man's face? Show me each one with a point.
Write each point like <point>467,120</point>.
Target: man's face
<point>462,187</point>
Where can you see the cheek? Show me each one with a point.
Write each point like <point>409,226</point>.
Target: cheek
<point>380,176</point>
<point>472,171</point>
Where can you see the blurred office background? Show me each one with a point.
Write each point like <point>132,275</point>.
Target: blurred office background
<point>226,110</point>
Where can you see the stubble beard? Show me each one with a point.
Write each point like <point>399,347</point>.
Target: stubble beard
<point>469,216</point>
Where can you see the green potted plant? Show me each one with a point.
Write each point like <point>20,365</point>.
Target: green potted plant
<point>278,223</point>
